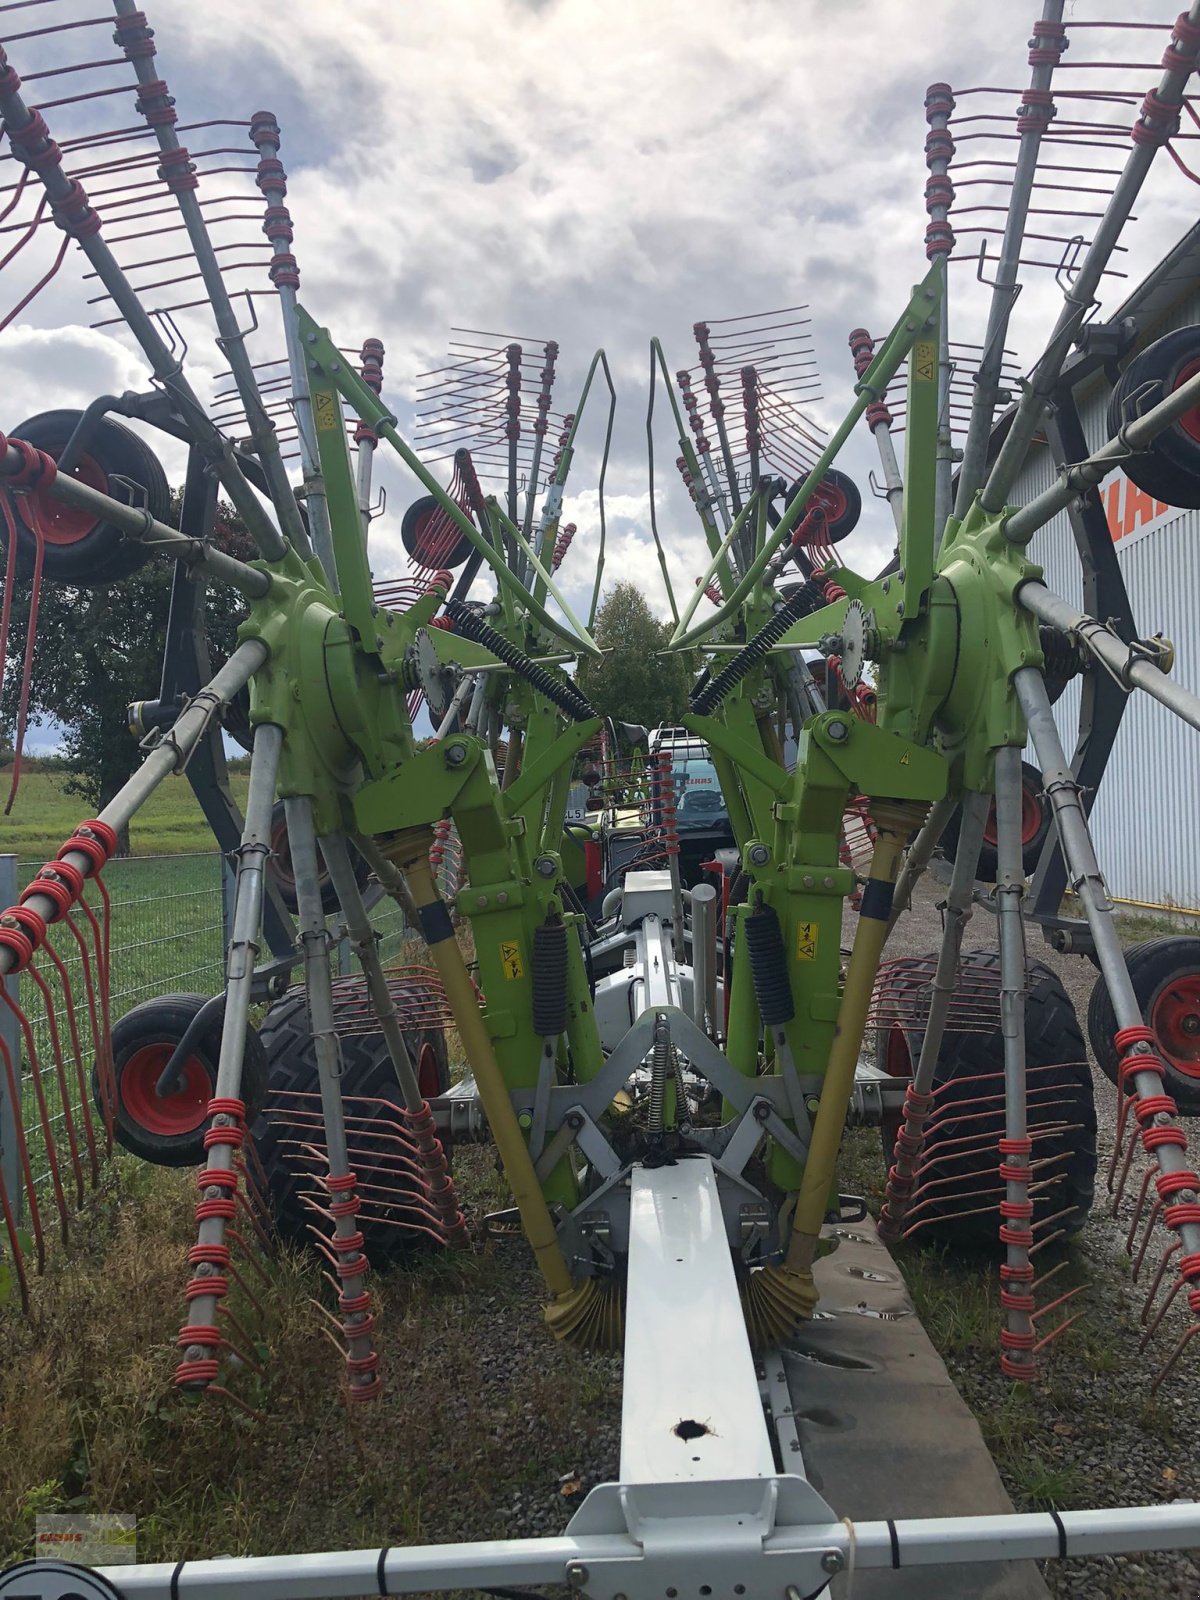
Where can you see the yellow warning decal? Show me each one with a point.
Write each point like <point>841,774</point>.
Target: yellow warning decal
<point>326,409</point>
<point>806,941</point>
<point>925,360</point>
<point>905,759</point>
<point>510,957</point>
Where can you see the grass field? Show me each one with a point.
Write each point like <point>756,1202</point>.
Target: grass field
<point>171,822</point>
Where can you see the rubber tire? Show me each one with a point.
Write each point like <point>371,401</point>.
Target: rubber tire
<point>985,872</point>
<point>366,1071</point>
<point>1152,965</point>
<point>164,1020</point>
<point>1169,468</point>
<point>104,555</point>
<point>1052,1039</point>
<point>280,872</point>
<point>848,520</point>
<point>410,536</point>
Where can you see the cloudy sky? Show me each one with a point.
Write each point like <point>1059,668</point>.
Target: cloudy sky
<point>592,173</point>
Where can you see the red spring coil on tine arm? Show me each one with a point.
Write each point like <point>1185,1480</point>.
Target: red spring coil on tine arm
<point>1048,43</point>
<point>371,371</point>
<point>215,1210</point>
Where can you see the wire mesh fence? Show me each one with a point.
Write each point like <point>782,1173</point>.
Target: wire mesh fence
<point>166,934</point>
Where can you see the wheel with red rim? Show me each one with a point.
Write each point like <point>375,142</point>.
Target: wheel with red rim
<point>372,1098</point>
<point>282,875</point>
<point>960,1201</point>
<point>1036,819</point>
<point>431,537</point>
<point>168,1130</point>
<point>838,497</point>
<point>1165,974</point>
<point>80,548</point>
<point>1169,468</point>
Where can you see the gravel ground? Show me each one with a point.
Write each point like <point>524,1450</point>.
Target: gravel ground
<point>1093,1417</point>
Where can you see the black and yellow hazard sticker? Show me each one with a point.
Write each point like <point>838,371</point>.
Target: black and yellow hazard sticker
<point>325,408</point>
<point>806,941</point>
<point>510,958</point>
<point>925,360</point>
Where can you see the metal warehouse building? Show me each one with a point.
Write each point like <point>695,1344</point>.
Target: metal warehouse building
<point>1146,810</point>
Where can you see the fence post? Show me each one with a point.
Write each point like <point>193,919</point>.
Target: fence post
<point>10,1033</point>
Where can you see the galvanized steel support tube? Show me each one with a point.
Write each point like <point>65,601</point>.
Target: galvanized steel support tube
<point>1021,526</point>
<point>1080,297</point>
<point>939,242</point>
<point>1112,652</point>
<point>264,133</point>
<point>154,97</point>
<point>140,525</point>
<point>1033,118</point>
<point>314,943</point>
<point>918,856</point>
<point>167,367</point>
<point>240,959</point>
<point>1088,883</point>
<point>1015,1149</point>
<point>704,951</point>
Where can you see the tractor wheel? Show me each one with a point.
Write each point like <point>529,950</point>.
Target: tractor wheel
<point>430,538</point>
<point>279,866</point>
<point>1165,974</point>
<point>970,1073</point>
<point>79,548</point>
<point>367,1080</point>
<point>840,500</point>
<point>1169,468</point>
<point>1036,818</point>
<point>169,1130</point>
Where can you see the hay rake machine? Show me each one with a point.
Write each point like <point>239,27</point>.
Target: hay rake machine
<point>667,1086</point>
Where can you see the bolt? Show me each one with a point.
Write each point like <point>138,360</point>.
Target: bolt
<point>837,731</point>
<point>544,867</point>
<point>456,754</point>
<point>827,883</point>
<point>502,898</point>
<point>310,338</point>
<point>901,574</point>
<point>762,1110</point>
<point>577,1574</point>
<point>483,900</point>
<point>887,584</point>
<point>900,610</point>
<point>758,855</point>
<point>832,1561</point>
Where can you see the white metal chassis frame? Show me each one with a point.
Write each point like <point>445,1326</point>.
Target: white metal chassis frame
<point>701,1509</point>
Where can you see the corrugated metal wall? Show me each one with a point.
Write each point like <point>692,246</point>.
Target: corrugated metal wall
<point>1145,819</point>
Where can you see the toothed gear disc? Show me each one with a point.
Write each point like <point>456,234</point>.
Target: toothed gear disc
<point>855,630</point>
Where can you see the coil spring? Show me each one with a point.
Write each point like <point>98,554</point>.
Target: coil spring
<point>564,695</point>
<point>1062,659</point>
<point>550,977</point>
<point>832,590</point>
<point>768,966</point>
<point>709,698</point>
<point>660,1062</point>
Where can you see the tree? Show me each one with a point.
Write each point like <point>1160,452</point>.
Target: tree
<point>96,650</point>
<point>635,681</point>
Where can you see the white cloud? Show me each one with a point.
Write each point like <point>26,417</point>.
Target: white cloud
<point>593,174</point>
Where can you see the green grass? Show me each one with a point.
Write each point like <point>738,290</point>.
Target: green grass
<point>170,823</point>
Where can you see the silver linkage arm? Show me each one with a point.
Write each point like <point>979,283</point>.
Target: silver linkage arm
<point>1135,669</point>
<point>1033,120</point>
<point>137,524</point>
<point>168,756</point>
<point>198,1367</point>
